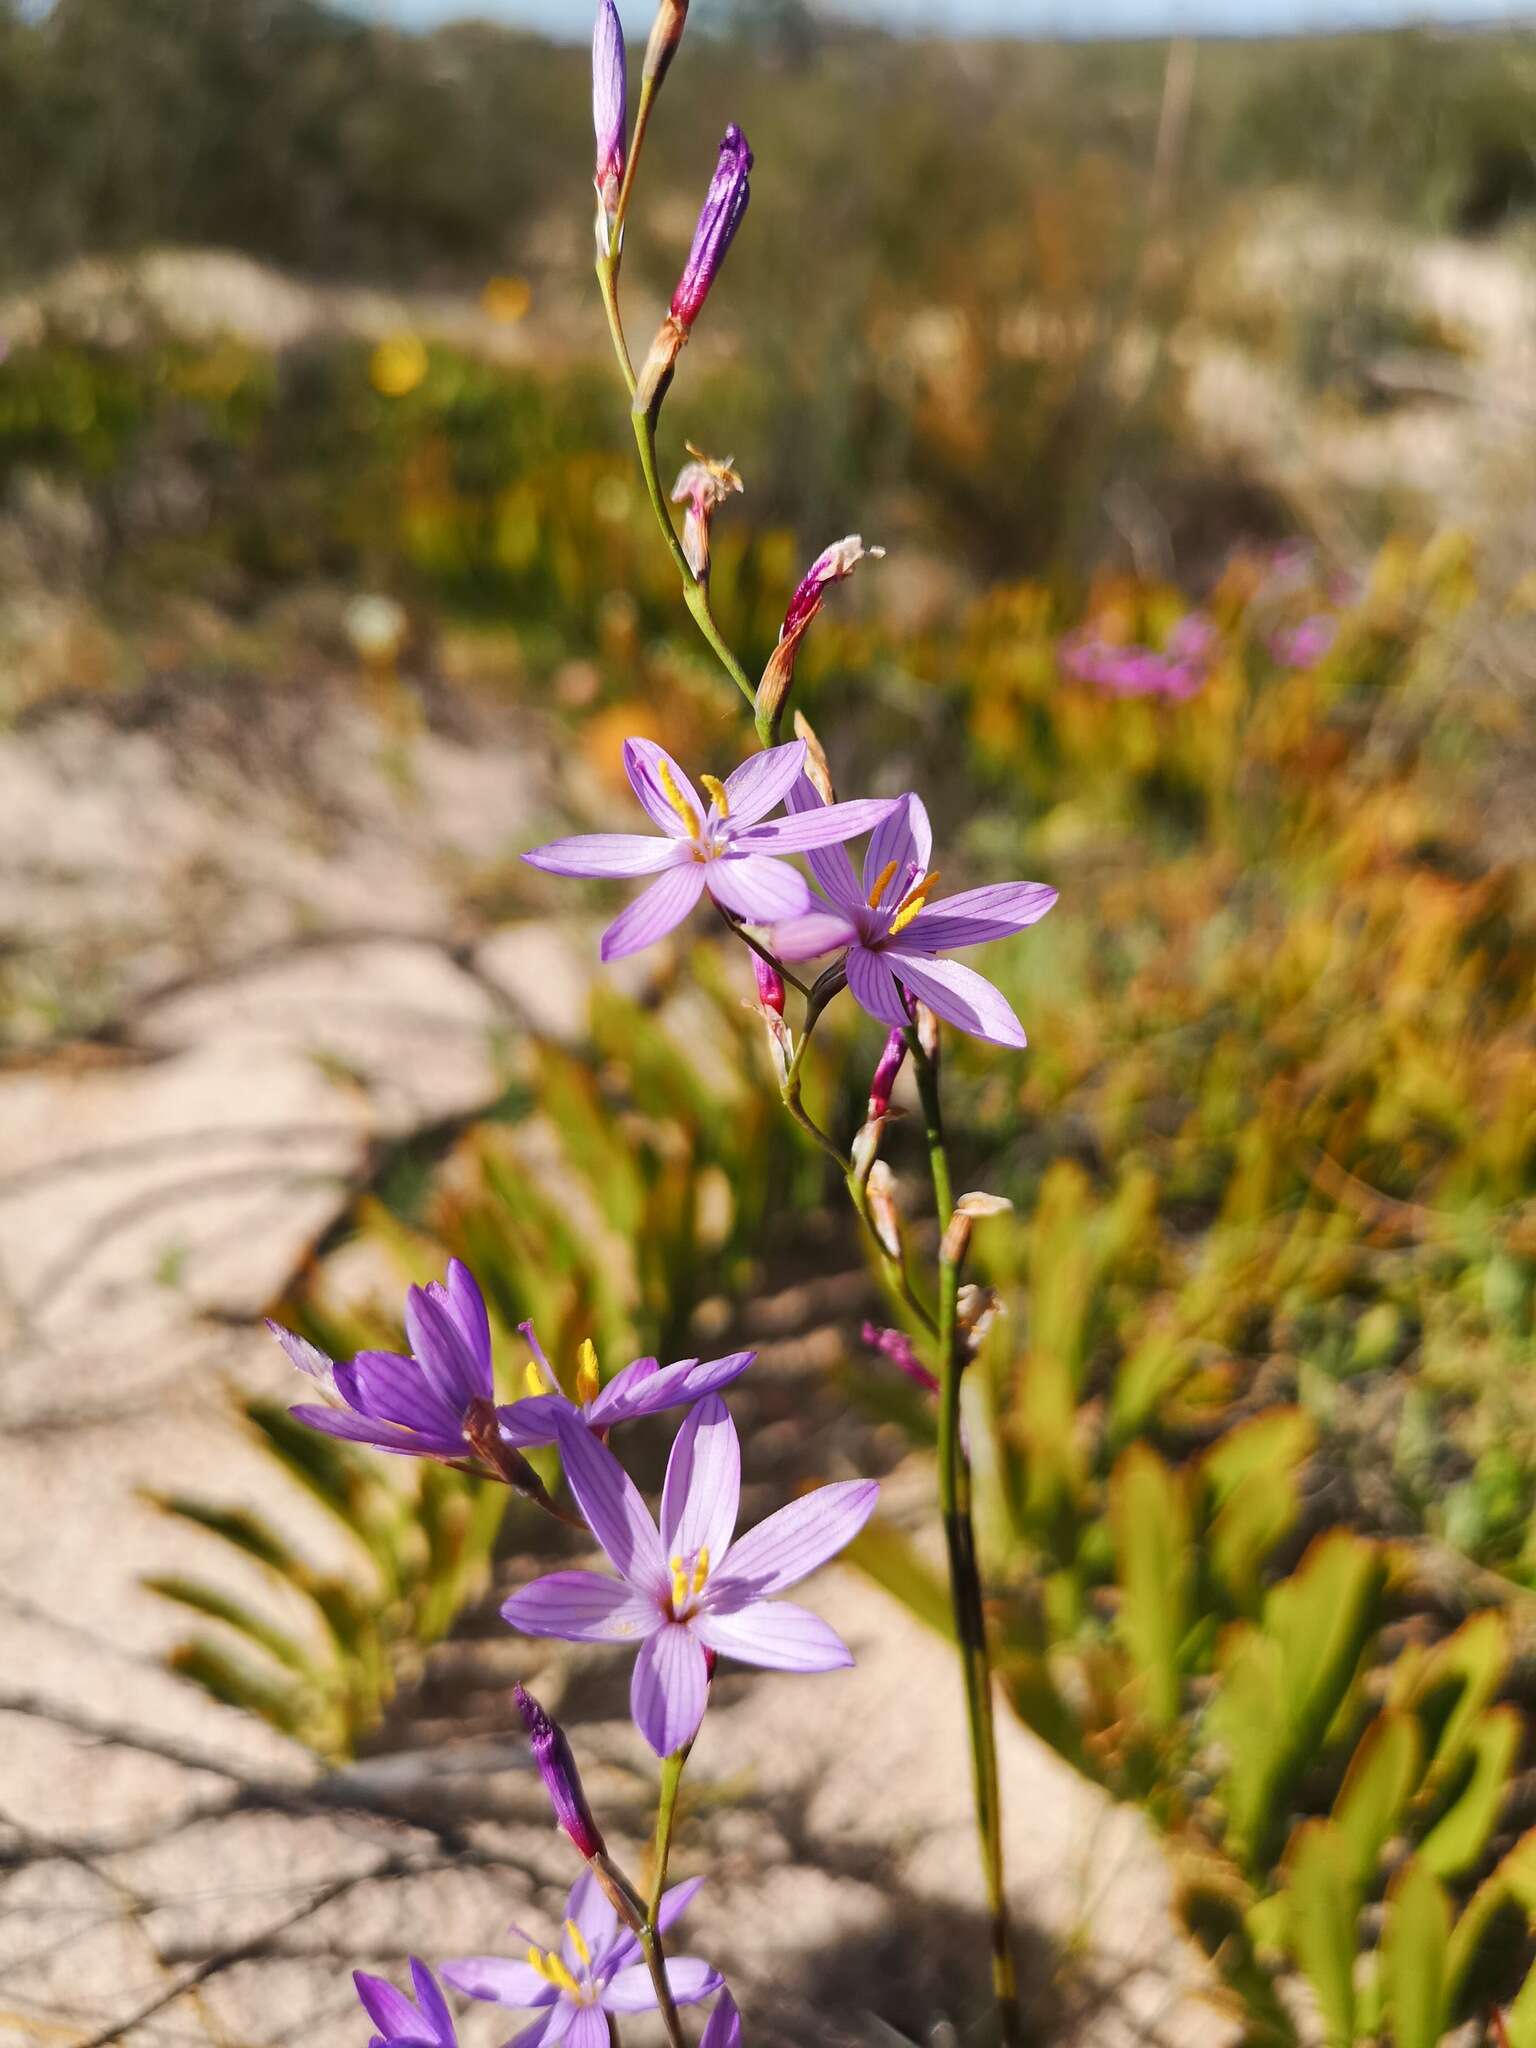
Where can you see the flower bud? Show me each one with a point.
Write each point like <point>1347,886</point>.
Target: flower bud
<point>770,984</point>
<point>609,124</point>
<point>897,1347</point>
<point>666,34</point>
<point>833,565</point>
<point>557,1767</point>
<point>720,217</point>
<point>887,1067</point>
<point>881,1189</point>
<point>702,485</point>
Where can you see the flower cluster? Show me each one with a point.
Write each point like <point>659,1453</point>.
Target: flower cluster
<point>1176,671</point>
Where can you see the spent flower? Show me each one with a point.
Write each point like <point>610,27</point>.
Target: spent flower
<point>694,1590</point>
<point>833,565</point>
<point>724,848</point>
<point>702,487</point>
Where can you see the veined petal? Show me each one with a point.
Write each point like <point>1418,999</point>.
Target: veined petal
<point>438,1346</point>
<point>829,826</point>
<point>499,1981</point>
<point>690,1379</point>
<point>534,1420</point>
<point>395,1389</point>
<point>536,2035</point>
<point>764,780</point>
<point>961,995</point>
<point>614,1511</point>
<point>609,856</point>
<point>643,763</point>
<point>670,1688</point>
<point>469,1309</point>
<point>905,837</point>
<point>582,1607</point>
<point>590,1911</point>
<point>674,1903</point>
<point>830,865</point>
<point>433,2005</point>
<point>562,2015</point>
<point>977,915</point>
<point>588,2027</point>
<point>655,911</point>
<point>702,1494</point>
<point>724,2028</point>
<point>817,932</point>
<point>306,1357</point>
<point>386,2005</point>
<point>757,888</point>
<point>689,1979</point>
<point>790,1544</point>
<point>869,978</point>
<point>382,1436</point>
<point>776,1635</point>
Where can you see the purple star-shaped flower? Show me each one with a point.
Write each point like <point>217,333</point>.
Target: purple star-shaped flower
<point>403,2022</point>
<point>694,1588</point>
<point>725,847</point>
<point>644,1387</point>
<point>896,938</point>
<point>595,1971</point>
<point>421,1406</point>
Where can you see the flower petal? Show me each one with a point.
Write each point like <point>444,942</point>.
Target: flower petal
<point>648,1393</point>
<point>724,2029</point>
<point>394,1389</point>
<point>433,2005</point>
<point>817,932</point>
<point>790,1544</point>
<point>643,762</point>
<point>766,779</point>
<point>967,999</point>
<point>582,1607</point>
<point>536,2035</point>
<point>610,856</point>
<point>670,1688</point>
<point>757,888</point>
<point>614,1511</point>
<point>591,1911</point>
<point>498,1980</point>
<point>777,1636</point>
<point>905,837</point>
<point>588,2028</point>
<point>873,989</point>
<point>468,1305</point>
<point>439,1348</point>
<point>702,1495</point>
<point>689,1979</point>
<point>655,911</point>
<point>387,2006</point>
<point>977,915</point>
<point>381,1436</point>
<point>830,865</point>
<point>307,1357</point>
<point>829,826</point>
<point>674,1903</point>
<point>533,1420</point>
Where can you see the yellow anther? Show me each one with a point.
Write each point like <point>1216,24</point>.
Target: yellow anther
<point>701,1569</point>
<point>677,800</point>
<point>537,1960</point>
<point>559,1974</point>
<point>588,1380</point>
<point>716,789</point>
<point>533,1379</point>
<point>680,1587</point>
<point>914,902</point>
<point>578,1941</point>
<point>885,874</point>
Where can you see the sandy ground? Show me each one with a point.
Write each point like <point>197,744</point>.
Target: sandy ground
<point>253,938</point>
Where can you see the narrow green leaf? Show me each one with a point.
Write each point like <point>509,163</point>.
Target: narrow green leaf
<point>1414,1957</point>
<point>216,1606</point>
<point>1378,1785</point>
<point>1459,1837</point>
<point>1154,1558</point>
<point>1323,1909</point>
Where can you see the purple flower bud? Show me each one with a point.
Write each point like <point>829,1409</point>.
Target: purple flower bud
<point>770,984</point>
<point>833,565</point>
<point>609,124</point>
<point>897,1347</point>
<point>724,204</point>
<point>887,1067</point>
<point>557,1767</point>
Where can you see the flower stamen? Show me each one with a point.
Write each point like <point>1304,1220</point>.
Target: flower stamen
<point>588,1379</point>
<point>533,1379</point>
<point>680,1585</point>
<point>553,1969</point>
<point>912,903</point>
<point>885,874</point>
<point>578,1942</point>
<point>716,789</point>
<point>677,800</point>
<point>701,1570</point>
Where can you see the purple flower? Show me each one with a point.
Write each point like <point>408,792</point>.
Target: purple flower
<point>719,218</point>
<point>642,1388</point>
<point>897,1347</point>
<point>609,125</point>
<point>432,1404</point>
<point>692,1592</point>
<point>403,2022</point>
<point>724,2029</point>
<point>726,849</point>
<point>1130,670</point>
<point>1303,646</point>
<point>562,1780</point>
<point>896,938</point>
<point>595,1971</point>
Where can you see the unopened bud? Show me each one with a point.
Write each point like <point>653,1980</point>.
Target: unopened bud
<point>897,1347</point>
<point>609,118</point>
<point>881,1189</point>
<point>702,486</point>
<point>887,1067</point>
<point>832,565</point>
<point>557,1767</point>
<point>666,34</point>
<point>816,770</point>
<point>725,203</point>
<point>770,984</point>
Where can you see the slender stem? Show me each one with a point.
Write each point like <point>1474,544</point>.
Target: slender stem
<point>640,1919</point>
<point>608,285</point>
<point>648,90</point>
<point>763,952</point>
<point>666,1816</point>
<point>964,1577</point>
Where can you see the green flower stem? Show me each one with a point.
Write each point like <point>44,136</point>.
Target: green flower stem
<point>640,1918</point>
<point>964,1577</point>
<point>608,285</point>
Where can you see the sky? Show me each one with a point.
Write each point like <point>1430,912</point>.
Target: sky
<point>1026,17</point>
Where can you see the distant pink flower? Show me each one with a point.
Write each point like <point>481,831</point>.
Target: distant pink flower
<point>1120,669</point>
<point>1303,646</point>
